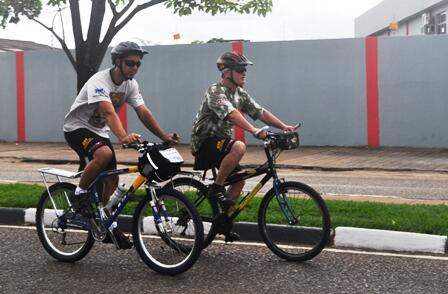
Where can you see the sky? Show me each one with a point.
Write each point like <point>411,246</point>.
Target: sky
<point>289,20</point>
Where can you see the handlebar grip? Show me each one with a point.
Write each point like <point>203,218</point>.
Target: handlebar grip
<point>127,146</point>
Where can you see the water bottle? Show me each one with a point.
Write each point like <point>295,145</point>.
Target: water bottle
<point>116,196</point>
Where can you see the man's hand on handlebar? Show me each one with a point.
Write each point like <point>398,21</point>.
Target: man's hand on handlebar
<point>129,138</point>
<point>261,133</point>
<point>288,128</point>
<point>172,138</point>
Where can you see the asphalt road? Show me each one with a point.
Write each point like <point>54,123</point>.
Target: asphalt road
<point>237,268</point>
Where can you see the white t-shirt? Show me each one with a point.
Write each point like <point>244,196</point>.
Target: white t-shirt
<point>84,113</point>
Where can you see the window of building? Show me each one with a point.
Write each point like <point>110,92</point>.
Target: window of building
<point>441,23</point>
<point>428,27</point>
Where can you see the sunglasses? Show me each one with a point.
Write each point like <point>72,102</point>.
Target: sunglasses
<point>132,63</point>
<point>240,70</point>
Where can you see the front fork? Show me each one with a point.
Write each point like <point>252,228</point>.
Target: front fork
<point>284,203</point>
<point>161,216</point>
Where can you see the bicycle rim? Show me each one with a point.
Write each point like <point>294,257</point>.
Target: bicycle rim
<point>304,231</point>
<point>64,235</point>
<point>174,245</point>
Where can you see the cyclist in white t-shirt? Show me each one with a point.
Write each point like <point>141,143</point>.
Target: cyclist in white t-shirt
<point>94,114</point>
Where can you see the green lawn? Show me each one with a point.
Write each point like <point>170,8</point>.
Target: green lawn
<point>430,219</point>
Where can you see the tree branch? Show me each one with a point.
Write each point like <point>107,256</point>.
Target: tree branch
<point>61,41</point>
<point>96,21</point>
<point>112,30</point>
<point>123,11</point>
<point>112,7</point>
<point>136,10</point>
<point>76,24</point>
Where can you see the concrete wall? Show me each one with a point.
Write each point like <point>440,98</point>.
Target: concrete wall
<point>413,91</point>
<point>8,113</point>
<point>50,91</point>
<point>319,83</point>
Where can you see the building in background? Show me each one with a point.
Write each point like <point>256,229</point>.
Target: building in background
<point>403,18</point>
<point>16,45</point>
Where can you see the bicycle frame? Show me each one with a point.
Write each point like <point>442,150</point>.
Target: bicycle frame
<point>138,181</point>
<point>269,170</point>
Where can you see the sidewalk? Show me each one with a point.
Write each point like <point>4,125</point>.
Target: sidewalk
<point>324,158</point>
<point>305,157</point>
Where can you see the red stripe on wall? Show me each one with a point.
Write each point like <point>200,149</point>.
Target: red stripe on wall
<point>20,92</point>
<point>373,125</point>
<point>239,132</point>
<point>123,114</point>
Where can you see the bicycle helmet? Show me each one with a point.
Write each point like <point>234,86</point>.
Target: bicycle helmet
<point>231,60</point>
<point>127,48</point>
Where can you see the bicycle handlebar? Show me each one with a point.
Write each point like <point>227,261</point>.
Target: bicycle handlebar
<point>271,134</point>
<point>141,146</point>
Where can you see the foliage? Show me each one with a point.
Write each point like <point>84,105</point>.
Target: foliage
<point>90,49</point>
<point>10,10</point>
<point>186,7</point>
<point>212,40</point>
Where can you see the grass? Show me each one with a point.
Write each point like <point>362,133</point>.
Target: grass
<point>429,219</point>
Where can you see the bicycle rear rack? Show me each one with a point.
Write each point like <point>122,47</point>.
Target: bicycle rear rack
<point>58,173</point>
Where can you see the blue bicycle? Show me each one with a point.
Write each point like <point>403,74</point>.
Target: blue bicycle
<point>167,230</point>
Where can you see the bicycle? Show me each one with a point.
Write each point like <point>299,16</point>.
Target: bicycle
<point>293,219</point>
<point>167,230</point>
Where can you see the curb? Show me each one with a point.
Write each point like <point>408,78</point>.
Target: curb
<point>252,165</point>
<point>347,237</point>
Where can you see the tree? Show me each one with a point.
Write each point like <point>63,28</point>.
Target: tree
<point>90,49</point>
<point>212,40</point>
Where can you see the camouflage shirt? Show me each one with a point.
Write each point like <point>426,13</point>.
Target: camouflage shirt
<point>212,118</point>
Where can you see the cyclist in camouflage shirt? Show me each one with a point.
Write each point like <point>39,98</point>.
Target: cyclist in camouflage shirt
<point>211,140</point>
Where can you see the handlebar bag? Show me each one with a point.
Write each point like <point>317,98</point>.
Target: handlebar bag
<point>288,141</point>
<point>160,163</point>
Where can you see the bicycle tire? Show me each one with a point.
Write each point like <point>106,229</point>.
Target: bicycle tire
<point>64,237</point>
<point>306,238</point>
<point>177,249</point>
<point>196,191</point>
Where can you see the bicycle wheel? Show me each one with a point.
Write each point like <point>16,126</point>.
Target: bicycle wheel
<point>197,194</point>
<point>64,235</point>
<point>173,245</point>
<point>296,224</point>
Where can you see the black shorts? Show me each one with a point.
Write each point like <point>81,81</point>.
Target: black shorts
<point>85,143</point>
<point>212,151</point>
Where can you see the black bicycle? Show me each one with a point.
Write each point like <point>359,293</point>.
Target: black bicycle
<point>293,219</point>
<point>167,230</point>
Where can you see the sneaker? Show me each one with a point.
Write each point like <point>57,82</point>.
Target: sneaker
<point>123,242</point>
<point>82,205</point>
<point>218,193</point>
<point>232,236</point>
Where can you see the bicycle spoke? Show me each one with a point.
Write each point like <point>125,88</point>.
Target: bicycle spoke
<point>54,220</point>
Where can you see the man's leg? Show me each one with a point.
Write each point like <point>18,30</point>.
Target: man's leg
<point>101,158</point>
<point>230,162</point>
<point>110,184</point>
<point>234,190</point>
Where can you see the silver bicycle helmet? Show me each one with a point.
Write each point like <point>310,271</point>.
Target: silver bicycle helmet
<point>127,48</point>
